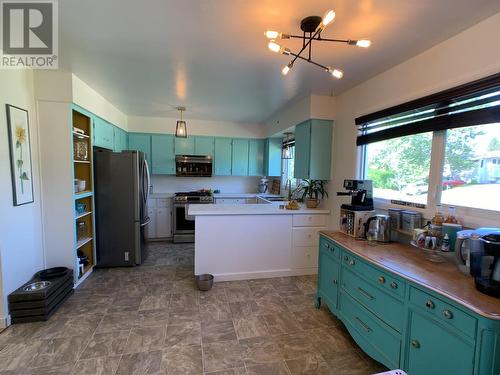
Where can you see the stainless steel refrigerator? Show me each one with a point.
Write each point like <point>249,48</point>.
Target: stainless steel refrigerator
<point>121,181</point>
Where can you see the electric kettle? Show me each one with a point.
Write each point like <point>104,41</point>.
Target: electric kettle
<point>378,228</point>
<point>469,250</point>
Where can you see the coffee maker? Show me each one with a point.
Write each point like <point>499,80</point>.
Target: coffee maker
<point>478,251</point>
<point>354,216</point>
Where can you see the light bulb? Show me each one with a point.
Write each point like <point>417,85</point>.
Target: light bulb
<point>363,43</point>
<point>287,68</point>
<point>273,46</point>
<point>328,18</point>
<point>335,72</point>
<point>270,34</point>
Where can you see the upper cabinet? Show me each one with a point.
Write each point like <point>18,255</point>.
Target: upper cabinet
<point>103,133</point>
<point>313,145</point>
<point>184,146</point>
<point>222,156</point>
<point>256,157</point>
<point>204,145</point>
<point>120,139</point>
<point>240,157</point>
<point>272,157</point>
<point>162,154</point>
<point>141,142</point>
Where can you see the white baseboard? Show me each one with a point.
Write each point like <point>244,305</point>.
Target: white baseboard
<point>4,322</point>
<point>264,274</point>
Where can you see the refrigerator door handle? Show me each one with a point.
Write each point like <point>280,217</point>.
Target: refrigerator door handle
<point>146,222</point>
<point>148,177</point>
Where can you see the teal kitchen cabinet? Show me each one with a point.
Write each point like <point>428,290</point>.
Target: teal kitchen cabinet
<point>313,146</point>
<point>222,156</point>
<point>240,157</point>
<point>256,157</point>
<point>184,146</point>
<point>204,146</point>
<point>140,142</point>
<point>430,346</point>
<point>272,157</point>
<point>120,140</point>
<point>103,133</point>
<point>403,324</point>
<point>162,154</point>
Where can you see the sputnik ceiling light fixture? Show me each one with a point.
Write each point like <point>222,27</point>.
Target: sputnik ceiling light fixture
<point>311,27</point>
<point>180,128</point>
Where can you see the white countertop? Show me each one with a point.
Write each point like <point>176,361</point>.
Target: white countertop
<point>243,195</point>
<point>248,209</point>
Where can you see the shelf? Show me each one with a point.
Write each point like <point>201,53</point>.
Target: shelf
<point>83,242</point>
<point>79,216</point>
<point>81,161</point>
<point>81,136</point>
<point>83,194</point>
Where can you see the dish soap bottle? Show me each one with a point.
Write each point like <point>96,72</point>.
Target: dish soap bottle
<point>446,243</point>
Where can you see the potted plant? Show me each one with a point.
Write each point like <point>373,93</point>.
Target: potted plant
<point>312,191</point>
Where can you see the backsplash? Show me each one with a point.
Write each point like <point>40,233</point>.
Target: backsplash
<point>226,184</point>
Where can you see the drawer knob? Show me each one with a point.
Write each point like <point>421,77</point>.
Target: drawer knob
<point>352,262</point>
<point>327,246</point>
<point>447,314</point>
<point>429,304</point>
<point>415,344</point>
<point>381,279</point>
<point>346,258</point>
<point>363,324</point>
<point>332,249</point>
<point>394,285</point>
<point>335,281</point>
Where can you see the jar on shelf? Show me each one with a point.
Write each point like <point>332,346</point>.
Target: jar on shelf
<point>81,150</point>
<point>82,230</point>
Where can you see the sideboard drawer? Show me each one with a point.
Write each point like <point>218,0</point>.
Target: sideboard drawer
<point>385,280</point>
<point>309,220</point>
<point>385,342</point>
<point>383,305</point>
<point>305,236</point>
<point>329,247</point>
<point>443,311</point>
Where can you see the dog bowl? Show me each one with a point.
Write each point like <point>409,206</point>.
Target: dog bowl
<point>36,286</point>
<point>204,281</point>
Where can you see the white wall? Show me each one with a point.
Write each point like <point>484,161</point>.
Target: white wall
<point>226,184</point>
<point>21,251</point>
<point>195,127</point>
<point>465,57</point>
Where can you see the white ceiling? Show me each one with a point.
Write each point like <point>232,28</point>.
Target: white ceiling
<point>149,56</point>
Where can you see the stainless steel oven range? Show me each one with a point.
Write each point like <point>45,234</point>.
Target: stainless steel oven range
<point>183,223</point>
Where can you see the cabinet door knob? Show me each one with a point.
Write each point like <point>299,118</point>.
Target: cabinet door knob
<point>335,281</point>
<point>381,279</point>
<point>415,344</point>
<point>429,304</point>
<point>447,314</point>
<point>352,262</point>
<point>394,285</point>
<point>346,258</point>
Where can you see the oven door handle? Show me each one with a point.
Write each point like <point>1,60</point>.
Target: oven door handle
<point>186,216</point>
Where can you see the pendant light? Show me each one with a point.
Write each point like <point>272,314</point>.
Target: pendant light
<point>180,128</point>
<point>287,149</point>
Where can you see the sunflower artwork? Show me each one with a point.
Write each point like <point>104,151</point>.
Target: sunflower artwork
<point>20,155</point>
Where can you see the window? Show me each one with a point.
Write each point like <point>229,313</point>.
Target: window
<point>471,175</point>
<point>399,167</point>
<point>440,149</point>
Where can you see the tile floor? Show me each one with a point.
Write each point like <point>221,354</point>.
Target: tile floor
<point>152,320</point>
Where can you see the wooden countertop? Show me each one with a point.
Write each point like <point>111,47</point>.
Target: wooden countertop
<point>410,263</point>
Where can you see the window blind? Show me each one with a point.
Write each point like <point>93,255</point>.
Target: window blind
<point>475,103</point>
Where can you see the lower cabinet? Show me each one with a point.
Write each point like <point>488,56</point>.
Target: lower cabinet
<point>160,214</point>
<point>433,349</point>
<point>401,324</point>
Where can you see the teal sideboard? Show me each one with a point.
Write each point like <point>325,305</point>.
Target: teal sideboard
<point>406,312</point>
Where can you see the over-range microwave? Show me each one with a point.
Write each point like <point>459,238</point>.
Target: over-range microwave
<point>193,165</point>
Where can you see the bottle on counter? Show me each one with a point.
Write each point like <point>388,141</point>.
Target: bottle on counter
<point>446,243</point>
<point>436,227</point>
<point>451,218</point>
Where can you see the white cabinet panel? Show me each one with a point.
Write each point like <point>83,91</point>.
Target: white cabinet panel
<point>151,202</point>
<point>163,222</point>
<point>304,257</point>
<point>150,232</point>
<point>306,236</point>
<point>163,202</point>
<point>315,220</point>
<point>230,200</point>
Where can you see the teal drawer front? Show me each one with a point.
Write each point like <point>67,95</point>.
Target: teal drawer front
<point>385,344</point>
<point>329,247</point>
<point>386,307</point>
<point>382,279</point>
<point>444,312</point>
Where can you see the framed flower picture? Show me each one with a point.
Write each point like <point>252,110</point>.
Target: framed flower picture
<point>20,155</point>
